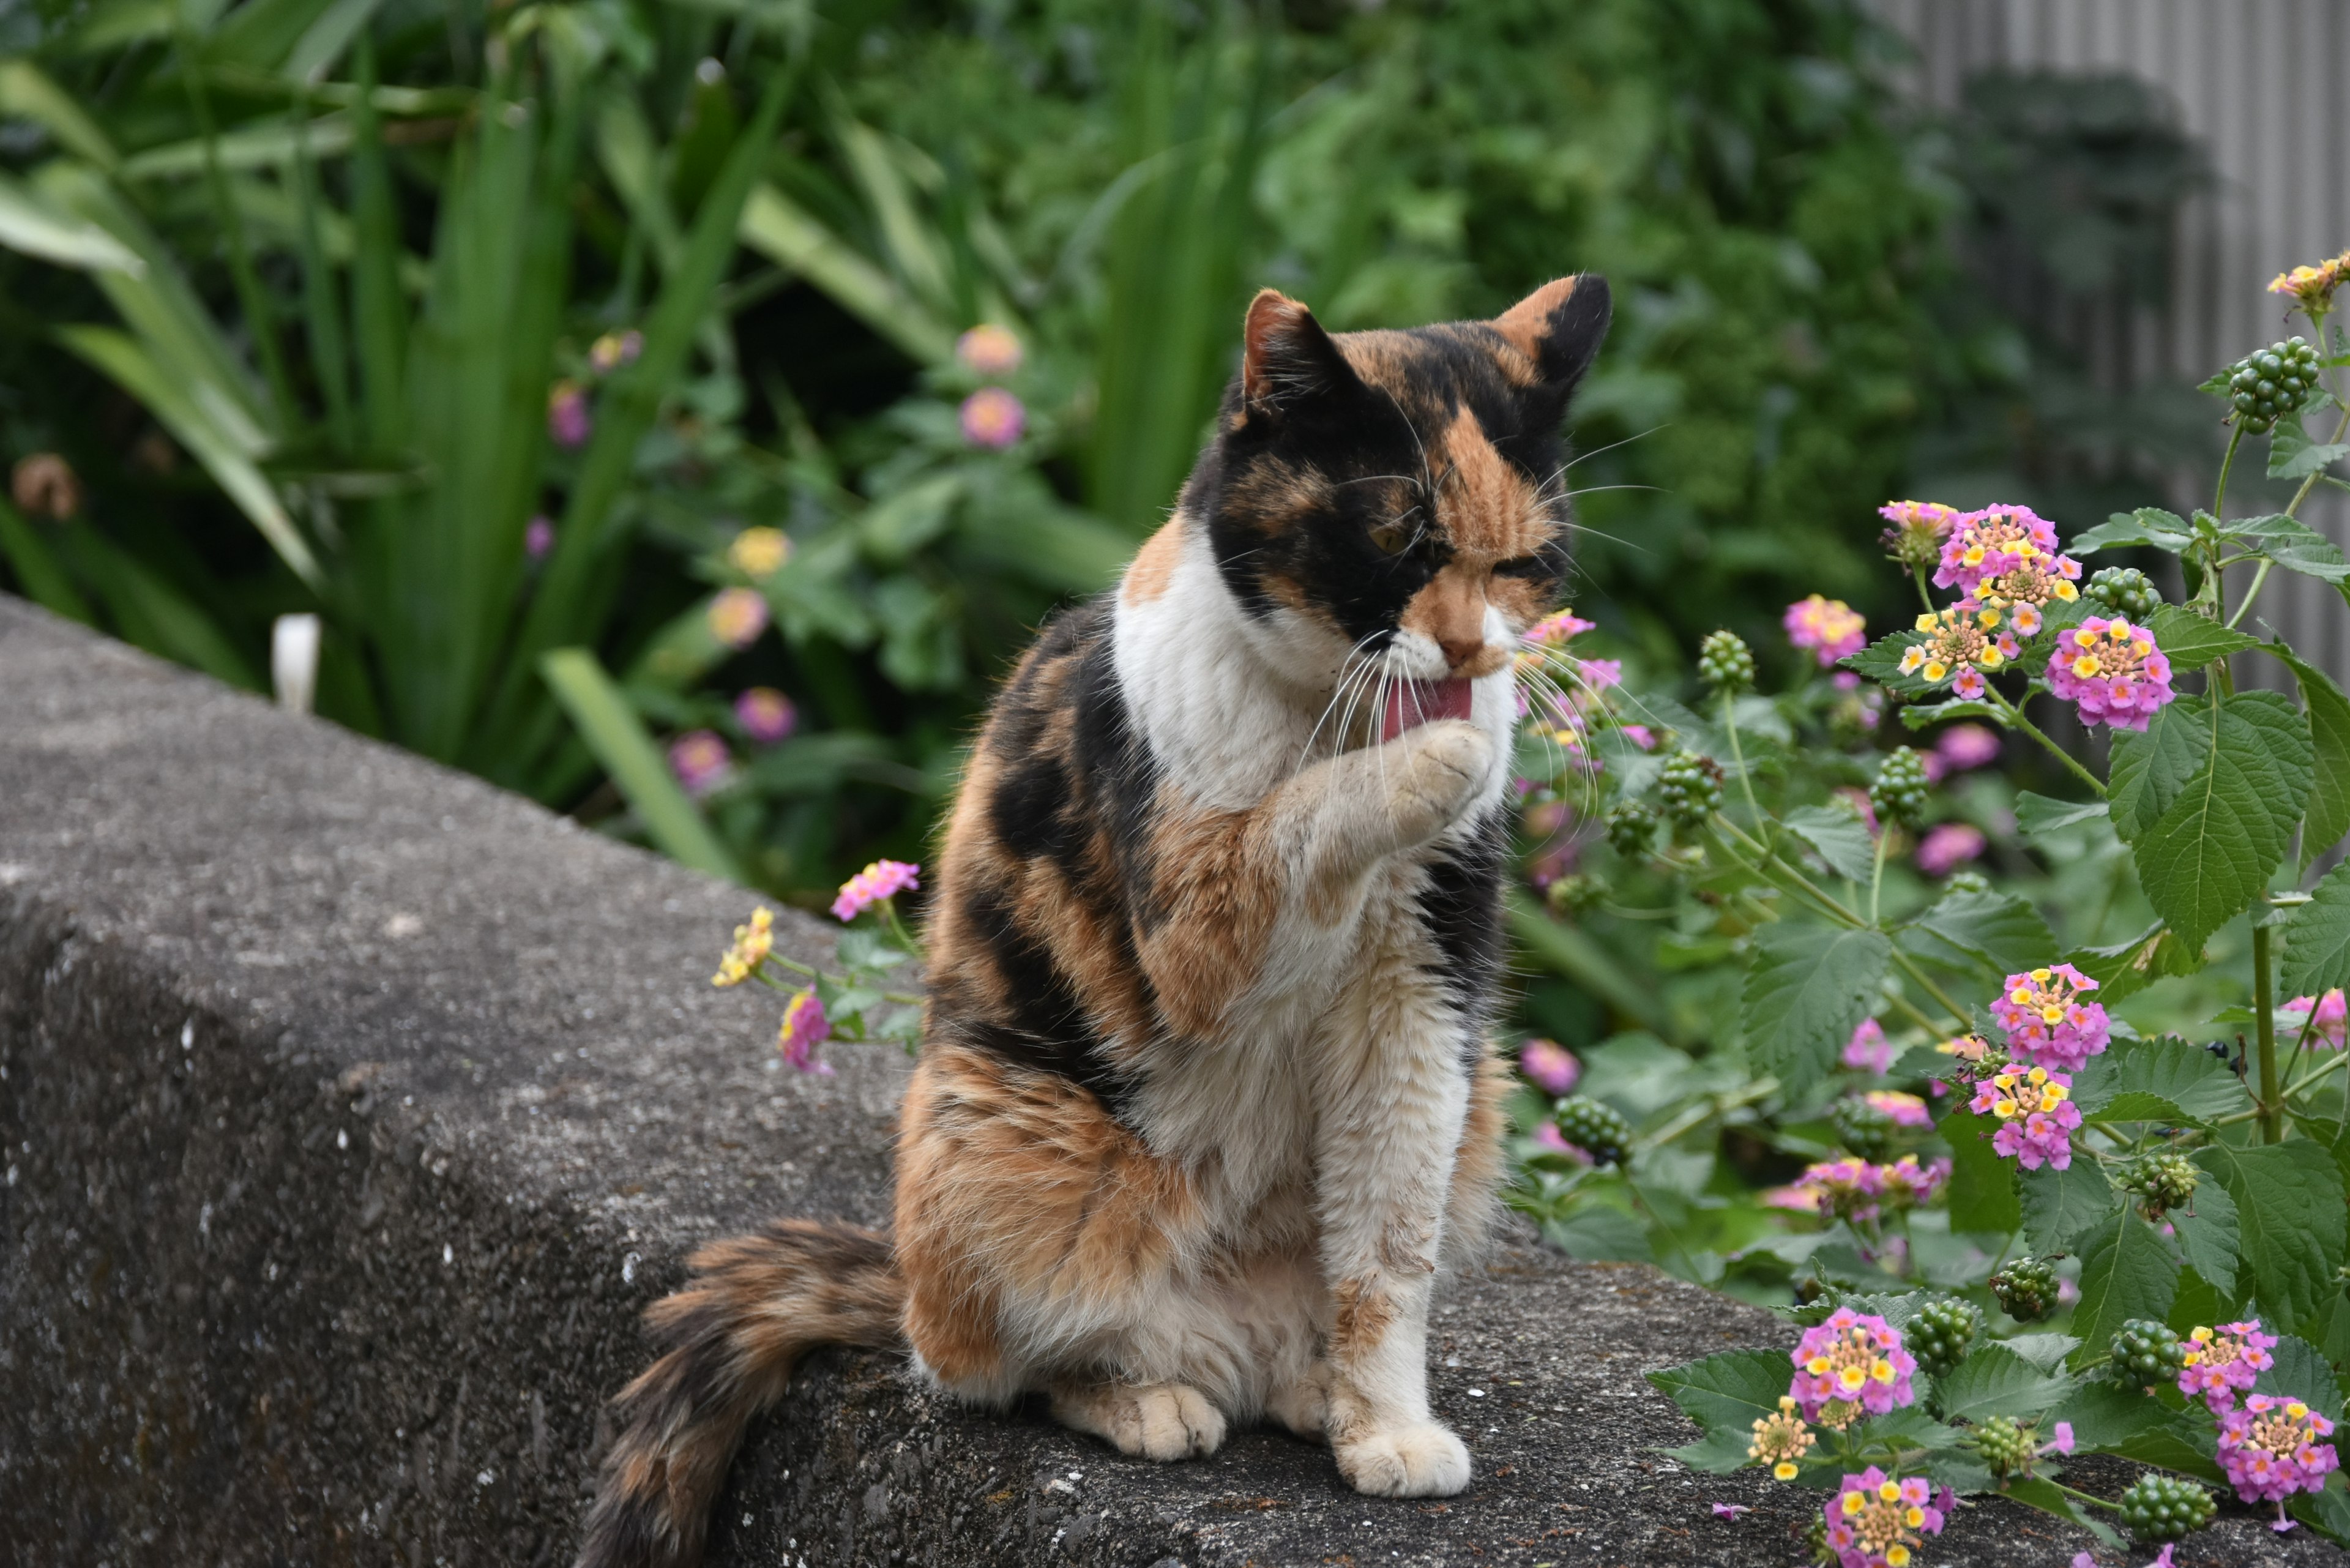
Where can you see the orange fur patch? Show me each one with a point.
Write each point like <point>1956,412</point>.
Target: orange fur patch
<point>1362,1320</point>
<point>1154,565</point>
<point>1525,325</point>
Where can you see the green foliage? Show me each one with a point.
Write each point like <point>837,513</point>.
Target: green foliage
<point>2158,1508</point>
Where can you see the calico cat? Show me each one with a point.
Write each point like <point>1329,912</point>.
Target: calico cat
<point>1205,1096</point>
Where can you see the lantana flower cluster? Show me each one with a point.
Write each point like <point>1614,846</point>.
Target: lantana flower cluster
<point>1830,628</point>
<point>1877,1521</point>
<point>1854,1188</point>
<point>1960,645</point>
<point>2035,1113</point>
<point>2325,1017</point>
<point>1850,1364</point>
<point>2225,1361</point>
<point>1992,543</point>
<point>2048,1025</point>
<point>1868,1049</point>
<point>1781,1440</point>
<point>2274,1446</point>
<point>880,879</point>
<point>2112,671</point>
<point>1918,529</point>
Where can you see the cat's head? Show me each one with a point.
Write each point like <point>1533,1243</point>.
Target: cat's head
<point>1400,494</point>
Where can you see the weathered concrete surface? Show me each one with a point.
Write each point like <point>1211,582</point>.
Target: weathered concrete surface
<point>350,1110</point>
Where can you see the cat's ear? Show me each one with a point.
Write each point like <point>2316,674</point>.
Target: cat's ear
<point>1559,327</point>
<point>1287,356</point>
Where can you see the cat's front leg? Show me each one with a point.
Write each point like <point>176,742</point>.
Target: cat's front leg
<point>1394,1100</point>
<point>1340,817</point>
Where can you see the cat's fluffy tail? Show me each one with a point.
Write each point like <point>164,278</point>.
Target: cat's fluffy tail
<point>731,1337</point>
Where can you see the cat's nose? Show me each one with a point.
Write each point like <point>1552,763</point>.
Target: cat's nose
<point>1459,651</point>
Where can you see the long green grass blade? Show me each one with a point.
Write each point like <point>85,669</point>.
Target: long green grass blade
<point>322,310</point>
<point>611,730</point>
<point>787,234</point>
<point>328,37</point>
<point>260,33</point>
<point>195,423</point>
<point>26,92</point>
<point>39,572</point>
<point>29,225</point>
<point>377,320</point>
<point>267,146</point>
<point>561,608</point>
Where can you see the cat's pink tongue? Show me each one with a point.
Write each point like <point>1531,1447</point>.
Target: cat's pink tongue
<point>1415,703</point>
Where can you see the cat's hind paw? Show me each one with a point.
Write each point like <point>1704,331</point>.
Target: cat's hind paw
<point>1163,1421</point>
<point>1423,1460</point>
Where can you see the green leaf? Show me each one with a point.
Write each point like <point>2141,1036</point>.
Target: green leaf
<point>2208,1233</point>
<point>611,730</point>
<point>30,226</point>
<point>2037,816</point>
<point>2317,939</point>
<point>39,575</point>
<point>2060,1205</point>
<point>2329,725</point>
<point>2130,966</point>
<point>2164,1079</point>
<point>1841,839</point>
<point>1999,928</point>
<point>1881,661</point>
<point>1994,1381</point>
<point>2147,525</point>
<point>2151,766</point>
<point>2045,1495</point>
<point>2290,1215</point>
<point>2327,1512</point>
<point>1728,1392</point>
<point>1982,1185</point>
<point>2211,850</point>
<point>1808,990</point>
<point>2126,1271</point>
<point>860,949</point>
<point>2045,1351</point>
<point>2294,546</point>
<point>2190,641</point>
<point>1926,715</point>
<point>780,229</point>
<point>2297,1370</point>
<point>2107,1418</point>
<point>1716,1453</point>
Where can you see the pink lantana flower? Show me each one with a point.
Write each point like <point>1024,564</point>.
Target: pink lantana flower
<point>765,714</point>
<point>568,422</point>
<point>1960,646</point>
<point>1993,542</point>
<point>1830,628</point>
<point>2047,1021</point>
<point>1965,746</point>
<point>1556,630</point>
<point>989,351</point>
<point>2274,1446</point>
<point>1868,1049</point>
<point>1550,1064</point>
<point>882,879</point>
<point>1905,1111</point>
<point>2035,1113</point>
<point>1850,1364</point>
<point>2112,671</point>
<point>1948,847</point>
<point>737,616</point>
<point>1877,1521</point>
<point>2224,1362</point>
<point>993,418</point>
<point>700,760</point>
<point>2333,1023</point>
<point>805,1027</point>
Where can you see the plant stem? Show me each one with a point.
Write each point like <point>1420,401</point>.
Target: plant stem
<point>1876,873</point>
<point>1909,966</point>
<point>1925,594</point>
<point>2015,716</point>
<point>2219,498</point>
<point>898,928</point>
<point>1745,785</point>
<point>2260,578</point>
<point>1711,1106</point>
<point>249,294</point>
<point>2264,1003</point>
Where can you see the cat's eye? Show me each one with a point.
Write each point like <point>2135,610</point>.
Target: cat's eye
<point>1390,537</point>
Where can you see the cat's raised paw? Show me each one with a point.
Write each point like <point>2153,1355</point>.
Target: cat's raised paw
<point>1163,1421</point>
<point>1420,1460</point>
<point>1445,764</point>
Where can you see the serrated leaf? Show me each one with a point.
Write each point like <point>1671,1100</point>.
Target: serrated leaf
<point>1881,661</point>
<point>2036,815</point>
<point>2126,1271</point>
<point>2289,1218</point>
<point>2317,939</point>
<point>2151,766</point>
<point>2129,968</point>
<point>2309,460</point>
<point>2033,1492</point>
<point>2043,1350</point>
<point>1717,1453</point>
<point>2329,726</point>
<point>2208,1232</point>
<point>2294,546</point>
<point>2211,850</point>
<point>2328,1513</point>
<point>1841,839</point>
<point>2060,1205</point>
<point>2107,1418</point>
<point>1994,1381</point>
<point>1808,990</point>
<point>2164,1079</point>
<point>1982,1185</point>
<point>1924,716</point>
<point>2297,1370</point>
<point>2147,525</point>
<point>2190,641</point>
<point>1999,928</point>
<point>1728,1392</point>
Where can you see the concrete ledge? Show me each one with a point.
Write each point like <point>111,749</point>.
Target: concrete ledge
<point>351,1110</point>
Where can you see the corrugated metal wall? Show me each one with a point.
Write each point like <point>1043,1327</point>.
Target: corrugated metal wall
<point>2259,83</point>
